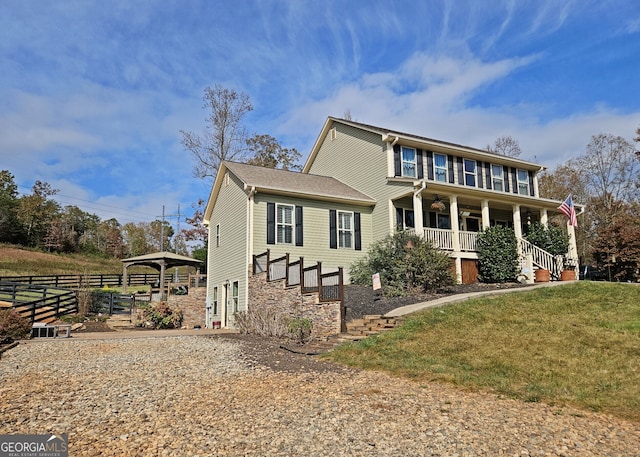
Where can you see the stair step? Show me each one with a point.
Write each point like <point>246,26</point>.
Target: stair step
<point>372,317</point>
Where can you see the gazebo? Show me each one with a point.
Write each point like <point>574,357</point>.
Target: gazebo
<point>160,261</point>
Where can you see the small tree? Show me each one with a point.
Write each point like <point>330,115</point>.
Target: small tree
<point>406,263</point>
<point>497,255</point>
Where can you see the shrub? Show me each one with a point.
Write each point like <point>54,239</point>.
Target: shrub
<point>13,325</point>
<point>161,315</point>
<point>497,255</point>
<point>300,329</point>
<point>262,321</point>
<point>405,262</point>
<point>548,237</point>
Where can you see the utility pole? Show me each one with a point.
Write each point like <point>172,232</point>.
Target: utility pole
<point>162,226</point>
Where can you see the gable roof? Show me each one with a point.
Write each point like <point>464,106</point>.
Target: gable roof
<point>290,183</point>
<point>411,139</point>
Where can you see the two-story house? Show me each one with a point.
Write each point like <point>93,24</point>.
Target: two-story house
<point>359,184</point>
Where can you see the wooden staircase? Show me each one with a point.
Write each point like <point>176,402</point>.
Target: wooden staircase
<point>369,325</point>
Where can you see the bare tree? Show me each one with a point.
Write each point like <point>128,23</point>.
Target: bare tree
<point>225,134</point>
<point>613,172</point>
<point>506,146</point>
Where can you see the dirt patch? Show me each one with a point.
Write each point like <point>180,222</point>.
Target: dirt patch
<point>275,354</point>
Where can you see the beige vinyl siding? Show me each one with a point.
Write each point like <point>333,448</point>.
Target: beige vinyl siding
<point>359,158</point>
<point>315,232</point>
<point>228,261</point>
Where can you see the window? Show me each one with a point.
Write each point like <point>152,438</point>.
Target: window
<point>440,167</point>
<point>217,235</point>
<point>470,172</point>
<point>234,296</point>
<point>345,229</point>
<point>523,182</point>
<point>409,219</point>
<point>497,177</point>
<point>284,224</point>
<point>409,162</point>
<point>443,221</point>
<point>215,301</point>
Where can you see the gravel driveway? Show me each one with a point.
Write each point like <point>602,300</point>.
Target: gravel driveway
<point>235,396</point>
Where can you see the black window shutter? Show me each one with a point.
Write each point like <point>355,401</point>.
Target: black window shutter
<point>450,164</point>
<point>399,218</point>
<point>531,190</point>
<point>298,225</point>
<point>514,180</point>
<point>419,164</point>
<point>430,165</point>
<point>397,161</point>
<point>271,223</point>
<point>460,172</point>
<point>357,233</point>
<point>487,166</point>
<point>480,169</point>
<point>333,230</point>
<point>505,173</point>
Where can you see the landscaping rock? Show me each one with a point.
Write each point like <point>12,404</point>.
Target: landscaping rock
<point>241,396</point>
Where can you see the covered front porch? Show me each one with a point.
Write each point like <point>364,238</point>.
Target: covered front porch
<point>452,221</point>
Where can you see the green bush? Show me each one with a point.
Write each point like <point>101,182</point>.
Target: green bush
<point>300,329</point>
<point>13,325</point>
<point>161,315</point>
<point>550,238</point>
<point>406,263</point>
<point>497,255</point>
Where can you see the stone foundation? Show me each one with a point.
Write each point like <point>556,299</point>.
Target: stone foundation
<point>290,302</point>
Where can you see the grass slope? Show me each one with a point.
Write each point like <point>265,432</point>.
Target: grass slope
<point>578,344</point>
<point>15,261</point>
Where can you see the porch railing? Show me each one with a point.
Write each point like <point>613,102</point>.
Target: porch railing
<point>443,239</point>
<point>542,258</point>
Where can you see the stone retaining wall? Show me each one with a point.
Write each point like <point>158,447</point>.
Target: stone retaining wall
<point>192,306</point>
<point>290,302</point>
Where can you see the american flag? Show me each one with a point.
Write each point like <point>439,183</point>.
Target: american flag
<point>568,210</point>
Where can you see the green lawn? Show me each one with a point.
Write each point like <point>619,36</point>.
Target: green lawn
<point>576,344</point>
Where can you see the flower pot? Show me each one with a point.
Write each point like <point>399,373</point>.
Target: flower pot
<point>568,275</point>
<point>542,275</point>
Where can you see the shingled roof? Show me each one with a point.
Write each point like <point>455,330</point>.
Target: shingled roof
<point>291,182</point>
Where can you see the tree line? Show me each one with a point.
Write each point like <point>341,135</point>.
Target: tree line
<point>36,220</point>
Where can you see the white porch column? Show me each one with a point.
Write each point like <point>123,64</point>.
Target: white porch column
<point>486,220</point>
<point>517,225</point>
<point>417,209</point>
<point>544,217</point>
<point>573,247</point>
<point>455,228</point>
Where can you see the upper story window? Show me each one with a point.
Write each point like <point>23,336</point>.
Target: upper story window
<point>497,177</point>
<point>523,182</point>
<point>345,229</point>
<point>409,165</point>
<point>284,224</point>
<point>469,172</point>
<point>440,167</point>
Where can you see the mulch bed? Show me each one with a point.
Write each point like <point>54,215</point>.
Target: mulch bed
<point>363,300</point>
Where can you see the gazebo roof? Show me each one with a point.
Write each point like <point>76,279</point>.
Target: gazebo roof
<point>159,259</point>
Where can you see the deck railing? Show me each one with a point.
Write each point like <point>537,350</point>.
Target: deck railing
<point>443,239</point>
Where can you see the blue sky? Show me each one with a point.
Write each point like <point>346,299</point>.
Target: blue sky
<point>94,94</point>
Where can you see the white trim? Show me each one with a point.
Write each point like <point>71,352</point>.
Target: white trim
<point>351,230</point>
